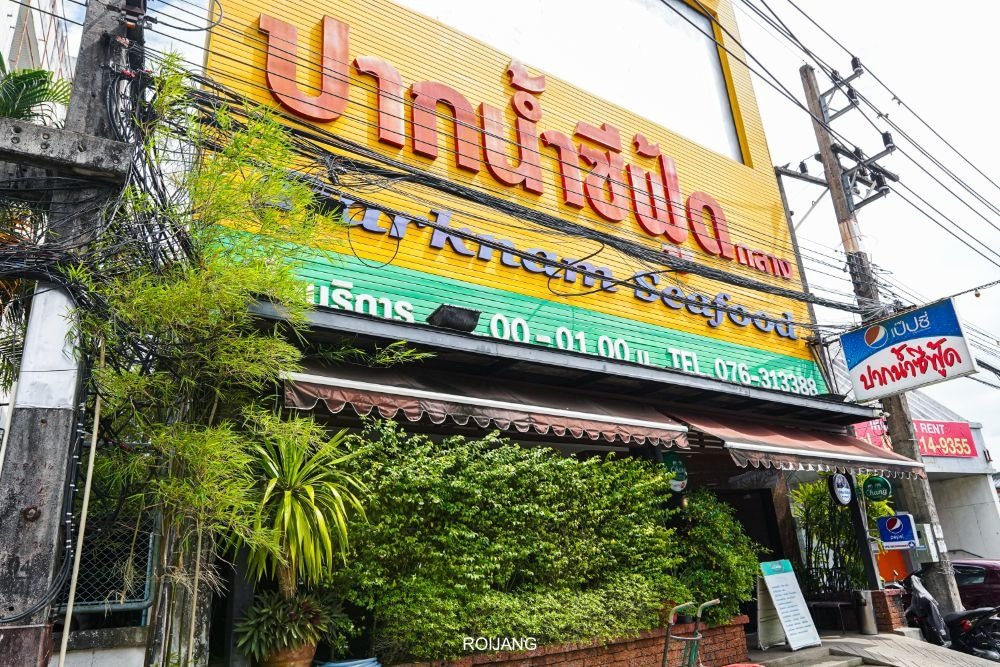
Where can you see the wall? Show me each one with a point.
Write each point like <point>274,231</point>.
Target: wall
<point>889,614</point>
<point>970,515</point>
<point>106,647</point>
<point>106,657</point>
<point>722,645</point>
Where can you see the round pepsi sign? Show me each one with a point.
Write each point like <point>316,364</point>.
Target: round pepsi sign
<point>876,336</point>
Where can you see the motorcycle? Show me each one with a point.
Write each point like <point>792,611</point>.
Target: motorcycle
<point>973,631</point>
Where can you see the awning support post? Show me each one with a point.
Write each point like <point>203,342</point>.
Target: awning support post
<point>859,521</point>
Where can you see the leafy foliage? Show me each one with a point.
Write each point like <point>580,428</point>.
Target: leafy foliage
<point>832,558</point>
<point>488,538</point>
<point>305,499</point>
<point>274,623</point>
<point>720,560</point>
<point>187,354</point>
<point>31,94</point>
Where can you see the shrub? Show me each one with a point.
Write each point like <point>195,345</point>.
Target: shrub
<point>484,538</point>
<point>275,622</point>
<point>833,560</point>
<point>720,560</point>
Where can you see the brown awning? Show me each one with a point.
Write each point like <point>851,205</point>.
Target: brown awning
<point>506,406</point>
<point>785,448</point>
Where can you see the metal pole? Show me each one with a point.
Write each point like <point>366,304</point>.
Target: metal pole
<point>940,579</point>
<point>859,519</point>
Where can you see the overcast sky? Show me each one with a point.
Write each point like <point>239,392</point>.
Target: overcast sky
<point>934,59</point>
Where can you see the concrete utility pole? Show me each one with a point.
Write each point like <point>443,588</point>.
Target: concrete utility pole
<point>33,470</point>
<point>940,578</point>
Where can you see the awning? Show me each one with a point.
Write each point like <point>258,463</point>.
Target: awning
<point>786,448</point>
<point>488,404</point>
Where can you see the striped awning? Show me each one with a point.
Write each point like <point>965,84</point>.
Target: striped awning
<point>786,448</point>
<point>488,404</point>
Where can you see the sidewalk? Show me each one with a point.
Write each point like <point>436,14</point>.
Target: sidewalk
<point>883,649</point>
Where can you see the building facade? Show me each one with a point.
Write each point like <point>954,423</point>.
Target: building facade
<point>590,270</point>
<point>35,35</point>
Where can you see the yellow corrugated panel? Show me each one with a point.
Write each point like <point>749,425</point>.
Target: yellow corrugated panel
<point>422,49</point>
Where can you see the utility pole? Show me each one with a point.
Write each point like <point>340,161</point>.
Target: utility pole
<point>36,467</point>
<point>939,578</point>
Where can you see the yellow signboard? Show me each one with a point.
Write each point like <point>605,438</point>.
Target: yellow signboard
<point>512,192</point>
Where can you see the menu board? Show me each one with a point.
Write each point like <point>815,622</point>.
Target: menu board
<point>782,613</point>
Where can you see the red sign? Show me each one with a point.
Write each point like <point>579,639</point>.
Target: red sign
<point>935,438</point>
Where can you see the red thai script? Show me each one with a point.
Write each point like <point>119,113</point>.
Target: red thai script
<point>913,361</point>
<point>591,170</point>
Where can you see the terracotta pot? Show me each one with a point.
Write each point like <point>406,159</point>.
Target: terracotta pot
<point>301,656</point>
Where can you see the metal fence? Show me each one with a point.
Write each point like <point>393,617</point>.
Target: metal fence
<point>116,568</point>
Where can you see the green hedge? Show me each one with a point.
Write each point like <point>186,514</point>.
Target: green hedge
<point>492,539</point>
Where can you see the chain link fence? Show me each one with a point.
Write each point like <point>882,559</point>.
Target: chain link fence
<point>116,569</point>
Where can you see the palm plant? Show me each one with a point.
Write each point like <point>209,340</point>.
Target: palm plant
<point>31,94</point>
<point>306,499</point>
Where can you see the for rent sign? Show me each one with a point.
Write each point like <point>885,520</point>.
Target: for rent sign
<point>918,348</point>
<point>936,438</point>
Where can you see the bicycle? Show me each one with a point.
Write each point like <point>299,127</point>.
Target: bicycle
<point>692,642</point>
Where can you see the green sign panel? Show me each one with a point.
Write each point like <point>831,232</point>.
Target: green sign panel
<point>675,464</point>
<point>397,293</point>
<point>877,488</point>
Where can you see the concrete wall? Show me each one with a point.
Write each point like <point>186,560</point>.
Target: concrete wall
<point>970,515</point>
<point>102,657</point>
<point>105,647</point>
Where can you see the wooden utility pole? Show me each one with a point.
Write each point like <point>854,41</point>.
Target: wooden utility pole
<point>36,468</point>
<point>939,578</point>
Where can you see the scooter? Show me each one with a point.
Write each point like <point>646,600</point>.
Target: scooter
<point>974,631</point>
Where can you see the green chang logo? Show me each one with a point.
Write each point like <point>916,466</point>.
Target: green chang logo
<point>675,464</point>
<point>877,488</point>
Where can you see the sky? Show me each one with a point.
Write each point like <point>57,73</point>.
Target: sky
<point>934,59</point>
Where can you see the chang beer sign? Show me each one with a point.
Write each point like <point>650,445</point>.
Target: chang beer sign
<point>923,346</point>
<point>527,198</point>
<point>675,464</point>
<point>877,488</point>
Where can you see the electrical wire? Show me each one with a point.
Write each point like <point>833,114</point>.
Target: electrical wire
<point>898,98</point>
<point>785,32</point>
<point>260,45</point>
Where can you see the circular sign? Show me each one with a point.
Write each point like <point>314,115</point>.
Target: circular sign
<point>876,336</point>
<point>840,488</point>
<point>877,488</point>
<point>676,465</point>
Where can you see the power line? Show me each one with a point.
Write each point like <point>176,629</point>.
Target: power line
<point>897,97</point>
<point>786,32</point>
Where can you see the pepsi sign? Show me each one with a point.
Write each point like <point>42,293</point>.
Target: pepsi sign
<point>920,347</point>
<point>898,532</point>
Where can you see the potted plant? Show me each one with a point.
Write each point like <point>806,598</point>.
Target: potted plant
<point>306,498</point>
<point>283,632</point>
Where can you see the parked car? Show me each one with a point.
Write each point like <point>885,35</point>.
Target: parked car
<point>978,582</point>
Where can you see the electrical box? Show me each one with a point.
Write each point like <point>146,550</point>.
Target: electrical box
<point>927,552</point>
